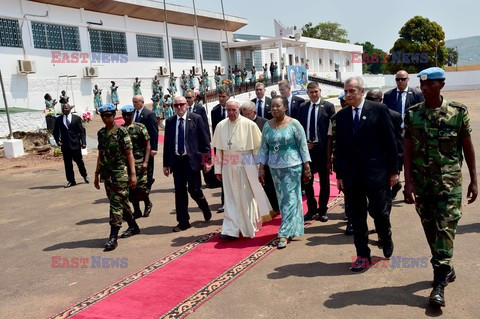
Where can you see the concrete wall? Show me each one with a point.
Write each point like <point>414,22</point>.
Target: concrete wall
<point>27,91</point>
<point>23,122</point>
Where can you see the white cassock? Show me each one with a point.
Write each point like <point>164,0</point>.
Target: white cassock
<point>245,200</point>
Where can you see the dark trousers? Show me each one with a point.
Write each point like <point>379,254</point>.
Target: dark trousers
<point>318,165</point>
<point>75,156</point>
<point>150,173</point>
<point>270,189</point>
<point>361,199</point>
<point>185,179</point>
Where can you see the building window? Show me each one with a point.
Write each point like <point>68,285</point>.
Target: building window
<point>319,61</point>
<point>183,49</point>
<point>248,60</point>
<point>211,51</point>
<point>10,35</point>
<point>108,41</point>
<point>257,60</point>
<point>55,37</point>
<point>149,47</point>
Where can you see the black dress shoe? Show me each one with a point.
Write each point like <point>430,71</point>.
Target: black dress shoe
<point>221,209</point>
<point>437,296</point>
<point>361,264</point>
<point>148,209</point>
<point>309,216</point>
<point>207,215</point>
<point>227,237</point>
<point>181,227</point>
<point>349,230</point>
<point>86,179</point>
<point>70,184</point>
<point>323,218</point>
<point>388,249</point>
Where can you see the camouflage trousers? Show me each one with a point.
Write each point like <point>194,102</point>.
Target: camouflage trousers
<point>141,191</point>
<point>439,214</point>
<point>117,193</point>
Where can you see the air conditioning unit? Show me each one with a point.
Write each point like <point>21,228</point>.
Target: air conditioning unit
<point>196,70</point>
<point>222,70</point>
<point>90,71</point>
<point>26,66</point>
<point>163,71</point>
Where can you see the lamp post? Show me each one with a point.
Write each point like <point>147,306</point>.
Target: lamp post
<point>456,61</point>
<point>436,52</point>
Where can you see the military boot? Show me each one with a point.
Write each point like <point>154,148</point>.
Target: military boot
<point>132,229</point>
<point>137,213</point>
<point>111,244</point>
<point>440,280</point>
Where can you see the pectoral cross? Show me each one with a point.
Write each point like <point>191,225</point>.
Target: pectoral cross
<point>229,145</point>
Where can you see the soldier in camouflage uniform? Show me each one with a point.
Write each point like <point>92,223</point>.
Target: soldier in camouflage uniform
<point>141,153</point>
<point>436,133</point>
<point>116,168</point>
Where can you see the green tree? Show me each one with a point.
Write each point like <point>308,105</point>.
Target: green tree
<point>421,44</point>
<point>452,56</point>
<point>330,31</point>
<point>374,58</point>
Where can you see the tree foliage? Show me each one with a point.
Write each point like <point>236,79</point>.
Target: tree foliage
<point>369,64</point>
<point>331,31</point>
<point>421,44</point>
<point>452,56</point>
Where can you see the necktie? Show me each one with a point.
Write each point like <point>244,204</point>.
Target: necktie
<point>259,108</point>
<point>311,131</point>
<point>181,137</point>
<point>137,116</point>
<point>399,102</point>
<point>223,113</point>
<point>288,108</point>
<point>190,109</point>
<point>67,121</point>
<point>356,121</point>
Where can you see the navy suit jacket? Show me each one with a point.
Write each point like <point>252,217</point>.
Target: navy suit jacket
<point>216,115</point>
<point>414,96</point>
<point>325,113</point>
<point>197,141</point>
<point>369,157</point>
<point>149,119</point>
<point>200,110</point>
<point>72,138</point>
<point>266,108</point>
<point>295,106</point>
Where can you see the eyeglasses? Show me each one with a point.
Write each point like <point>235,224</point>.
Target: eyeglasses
<point>189,97</point>
<point>179,104</point>
<point>401,79</point>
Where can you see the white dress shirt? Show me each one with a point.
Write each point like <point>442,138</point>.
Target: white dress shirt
<point>69,116</point>
<point>317,108</point>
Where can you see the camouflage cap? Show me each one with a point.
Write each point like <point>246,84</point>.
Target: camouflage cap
<point>433,73</point>
<point>109,107</point>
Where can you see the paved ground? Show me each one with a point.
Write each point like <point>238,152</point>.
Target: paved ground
<point>40,219</point>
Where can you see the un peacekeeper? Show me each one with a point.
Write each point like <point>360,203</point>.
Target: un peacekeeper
<point>436,133</point>
<point>141,154</point>
<point>116,168</point>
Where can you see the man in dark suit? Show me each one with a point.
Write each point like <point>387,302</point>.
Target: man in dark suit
<point>399,100</point>
<point>366,164</point>
<point>294,101</point>
<point>402,97</point>
<point>315,116</point>
<point>248,110</point>
<point>185,148</point>
<point>218,114</point>
<point>195,107</point>
<point>262,102</point>
<point>147,118</point>
<point>69,134</point>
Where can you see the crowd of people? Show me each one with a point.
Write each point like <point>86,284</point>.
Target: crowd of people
<point>266,151</point>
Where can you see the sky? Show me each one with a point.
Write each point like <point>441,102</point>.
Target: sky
<point>374,21</point>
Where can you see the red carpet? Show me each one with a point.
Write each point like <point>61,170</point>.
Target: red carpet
<point>176,285</point>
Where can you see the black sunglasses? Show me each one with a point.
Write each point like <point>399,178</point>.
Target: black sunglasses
<point>400,79</point>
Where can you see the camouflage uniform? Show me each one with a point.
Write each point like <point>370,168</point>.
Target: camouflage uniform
<point>139,137</point>
<point>436,137</point>
<point>114,171</point>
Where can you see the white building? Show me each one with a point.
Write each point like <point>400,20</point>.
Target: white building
<point>120,39</point>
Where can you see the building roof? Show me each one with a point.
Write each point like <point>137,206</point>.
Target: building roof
<point>264,44</point>
<point>153,11</point>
